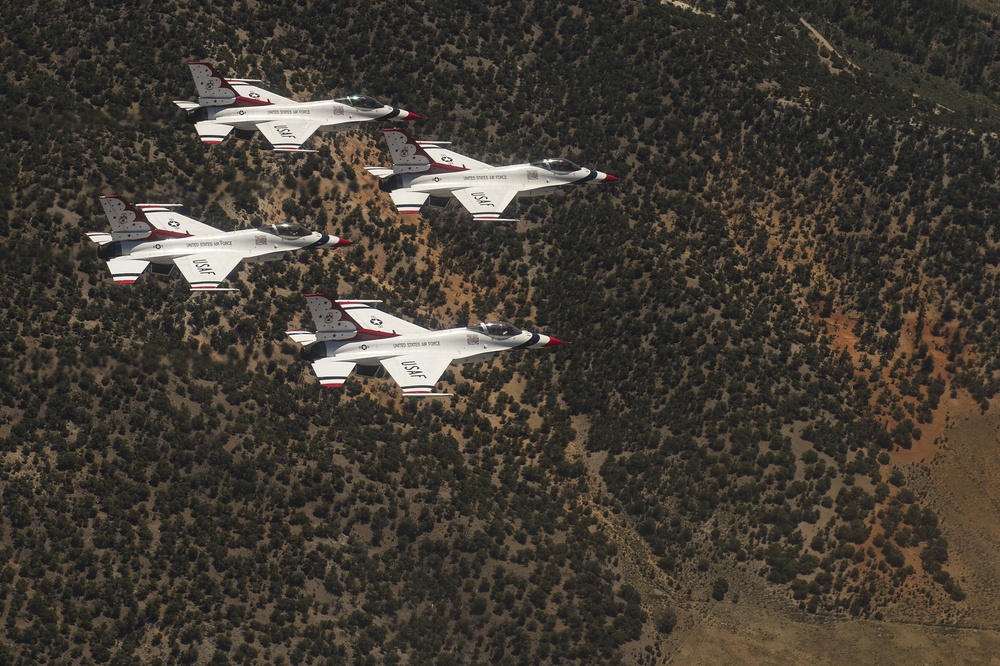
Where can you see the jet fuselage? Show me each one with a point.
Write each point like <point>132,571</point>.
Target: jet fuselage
<point>254,244</point>
<point>330,115</point>
<point>462,344</point>
<point>527,179</point>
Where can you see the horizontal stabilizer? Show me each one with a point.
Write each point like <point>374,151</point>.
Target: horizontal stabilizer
<point>210,132</point>
<point>100,237</point>
<point>302,337</point>
<point>187,105</point>
<point>408,202</point>
<point>381,172</point>
<point>332,373</point>
<point>126,271</point>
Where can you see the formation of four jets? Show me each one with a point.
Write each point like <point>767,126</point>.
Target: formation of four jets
<point>349,334</point>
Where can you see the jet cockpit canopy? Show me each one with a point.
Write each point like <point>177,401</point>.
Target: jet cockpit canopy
<point>286,230</point>
<point>557,165</point>
<point>496,329</point>
<point>360,102</point>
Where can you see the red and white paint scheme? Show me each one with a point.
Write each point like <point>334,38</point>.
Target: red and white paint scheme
<point>225,105</point>
<point>425,172</point>
<point>144,235</point>
<point>353,334</point>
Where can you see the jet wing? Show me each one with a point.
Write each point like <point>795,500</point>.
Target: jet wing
<point>162,217</point>
<point>206,270</point>
<point>331,372</point>
<point>288,135</point>
<point>417,374</point>
<point>374,319</point>
<point>452,158</point>
<point>210,132</point>
<point>249,92</point>
<point>486,202</point>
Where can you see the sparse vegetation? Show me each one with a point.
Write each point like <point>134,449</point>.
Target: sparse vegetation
<point>766,316</point>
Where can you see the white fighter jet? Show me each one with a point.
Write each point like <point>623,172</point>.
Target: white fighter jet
<point>227,104</point>
<point>425,172</point>
<point>353,334</point>
<point>154,234</point>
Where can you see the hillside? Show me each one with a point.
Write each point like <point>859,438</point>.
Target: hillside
<point>771,435</point>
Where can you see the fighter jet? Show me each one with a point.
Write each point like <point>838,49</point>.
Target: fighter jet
<point>353,334</point>
<point>226,104</point>
<point>154,234</point>
<point>425,172</point>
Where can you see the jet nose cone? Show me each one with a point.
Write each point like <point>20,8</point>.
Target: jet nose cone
<point>595,176</point>
<point>547,341</point>
<point>331,241</point>
<point>396,113</point>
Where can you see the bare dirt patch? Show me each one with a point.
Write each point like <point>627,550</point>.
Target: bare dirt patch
<point>963,488</point>
<point>740,634</point>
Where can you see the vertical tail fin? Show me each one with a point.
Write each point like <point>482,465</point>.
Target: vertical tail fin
<point>127,221</point>
<point>332,321</point>
<point>216,90</point>
<point>213,88</point>
<point>350,320</point>
<point>410,155</point>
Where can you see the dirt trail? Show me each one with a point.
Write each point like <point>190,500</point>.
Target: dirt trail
<point>636,561</point>
<point>760,629</point>
<point>828,46</point>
